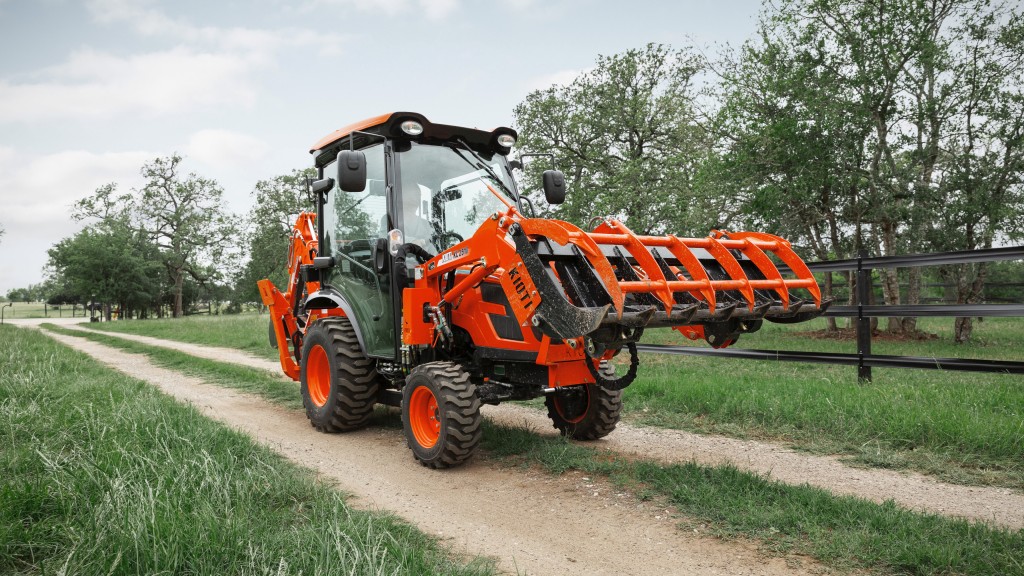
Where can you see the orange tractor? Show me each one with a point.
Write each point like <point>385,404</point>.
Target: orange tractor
<point>420,282</point>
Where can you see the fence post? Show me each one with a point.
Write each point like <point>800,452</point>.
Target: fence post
<point>863,323</point>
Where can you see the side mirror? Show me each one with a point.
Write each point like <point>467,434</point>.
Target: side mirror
<point>554,186</point>
<point>351,171</point>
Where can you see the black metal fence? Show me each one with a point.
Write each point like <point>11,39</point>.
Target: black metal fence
<point>862,311</point>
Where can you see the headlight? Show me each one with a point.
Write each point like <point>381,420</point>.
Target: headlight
<point>412,128</point>
<point>506,140</point>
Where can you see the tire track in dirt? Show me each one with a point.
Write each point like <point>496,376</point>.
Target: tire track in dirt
<point>530,522</point>
<point>998,506</point>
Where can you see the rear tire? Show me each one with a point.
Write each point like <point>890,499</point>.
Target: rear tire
<point>441,414</point>
<point>339,383</point>
<point>273,336</point>
<point>593,413</point>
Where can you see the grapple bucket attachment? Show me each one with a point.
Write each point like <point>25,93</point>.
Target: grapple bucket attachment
<point>611,282</point>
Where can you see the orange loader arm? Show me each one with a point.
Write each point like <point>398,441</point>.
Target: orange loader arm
<point>613,279</point>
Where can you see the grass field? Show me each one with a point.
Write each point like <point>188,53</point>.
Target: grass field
<point>41,310</point>
<point>102,474</point>
<point>960,426</point>
<point>842,532</point>
<point>247,332</point>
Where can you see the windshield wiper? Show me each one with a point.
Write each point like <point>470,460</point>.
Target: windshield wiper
<point>482,165</point>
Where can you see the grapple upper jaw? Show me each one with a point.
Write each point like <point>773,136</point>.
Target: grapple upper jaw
<point>555,315</point>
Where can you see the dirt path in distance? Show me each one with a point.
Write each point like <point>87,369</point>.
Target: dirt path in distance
<point>532,523</point>
<point>998,506</point>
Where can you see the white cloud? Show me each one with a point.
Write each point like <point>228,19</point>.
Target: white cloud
<point>97,85</point>
<point>208,66</point>
<point>37,193</point>
<point>226,149</point>
<point>438,9</point>
<point>520,4</point>
<point>560,78</point>
<point>434,10</point>
<point>258,43</point>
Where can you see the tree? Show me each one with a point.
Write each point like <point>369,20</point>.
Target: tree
<point>626,135</point>
<point>790,154</point>
<point>855,117</point>
<point>184,216</point>
<point>982,192</point>
<point>109,263</point>
<point>278,201</point>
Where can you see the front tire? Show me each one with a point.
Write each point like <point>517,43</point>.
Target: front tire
<point>441,414</point>
<point>339,383</point>
<point>589,413</point>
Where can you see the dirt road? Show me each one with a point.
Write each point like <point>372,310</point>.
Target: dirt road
<point>999,506</point>
<point>531,523</point>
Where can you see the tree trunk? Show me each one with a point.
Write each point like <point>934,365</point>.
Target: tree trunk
<point>909,323</point>
<point>968,291</point>
<point>890,276</point>
<point>179,283</point>
<point>830,321</point>
<point>962,328</point>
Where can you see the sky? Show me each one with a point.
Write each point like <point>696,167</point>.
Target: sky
<point>91,90</point>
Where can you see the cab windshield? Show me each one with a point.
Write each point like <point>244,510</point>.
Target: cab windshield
<point>446,193</point>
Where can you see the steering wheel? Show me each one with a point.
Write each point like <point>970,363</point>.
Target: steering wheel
<point>447,239</point>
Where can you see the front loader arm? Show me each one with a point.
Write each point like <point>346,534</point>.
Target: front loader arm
<point>607,284</point>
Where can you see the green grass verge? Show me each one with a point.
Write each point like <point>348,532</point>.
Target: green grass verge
<point>103,474</point>
<point>278,389</point>
<point>963,427</point>
<point>247,332</point>
<point>842,532</point>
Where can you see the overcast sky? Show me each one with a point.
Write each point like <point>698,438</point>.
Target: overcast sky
<point>89,91</point>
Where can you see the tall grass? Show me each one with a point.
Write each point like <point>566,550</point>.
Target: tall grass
<point>102,474</point>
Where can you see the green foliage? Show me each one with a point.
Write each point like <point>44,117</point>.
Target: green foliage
<point>108,262</point>
<point>278,201</point>
<point>184,216</point>
<point>626,135</point>
<point>162,245</point>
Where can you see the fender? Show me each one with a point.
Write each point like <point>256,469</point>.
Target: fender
<point>329,299</point>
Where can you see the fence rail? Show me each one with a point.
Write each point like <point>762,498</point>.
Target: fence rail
<point>862,311</point>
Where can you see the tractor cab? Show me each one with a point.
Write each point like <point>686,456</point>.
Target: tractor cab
<point>398,180</point>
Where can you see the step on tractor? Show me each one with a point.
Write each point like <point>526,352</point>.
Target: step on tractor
<point>424,280</point>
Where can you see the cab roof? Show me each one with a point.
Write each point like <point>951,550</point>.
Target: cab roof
<point>389,125</point>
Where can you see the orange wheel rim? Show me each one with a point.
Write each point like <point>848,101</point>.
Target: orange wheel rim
<point>318,376</point>
<point>424,417</point>
<point>579,417</point>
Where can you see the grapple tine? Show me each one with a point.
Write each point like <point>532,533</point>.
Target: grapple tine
<point>767,267</point>
<point>790,258</point>
<point>644,259</point>
<point>732,268</point>
<point>693,267</point>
